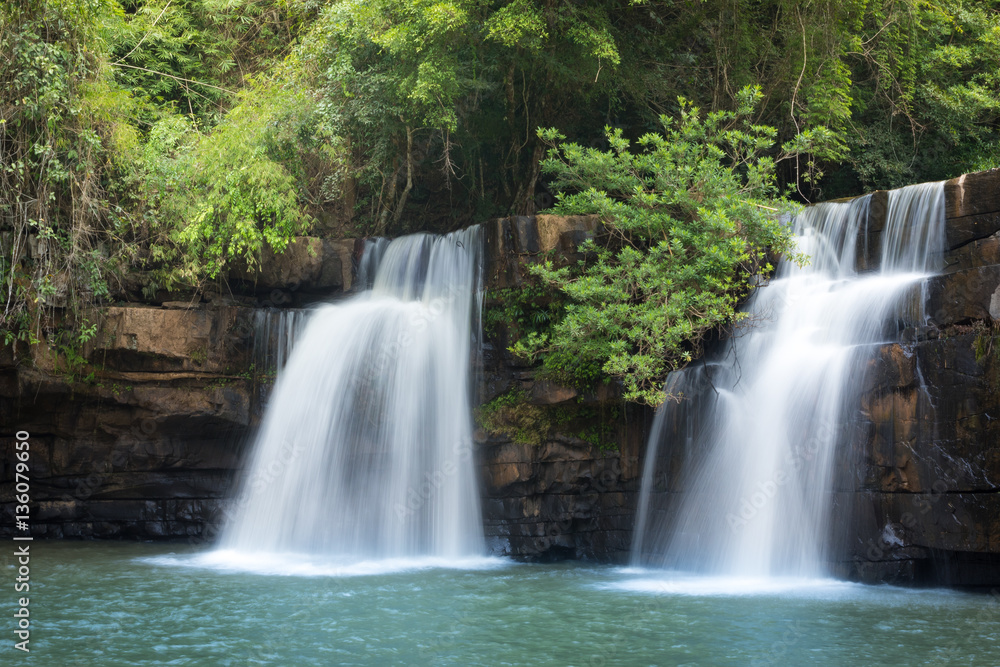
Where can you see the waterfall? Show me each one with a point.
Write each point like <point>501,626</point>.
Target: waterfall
<point>737,477</point>
<point>275,330</point>
<point>365,448</point>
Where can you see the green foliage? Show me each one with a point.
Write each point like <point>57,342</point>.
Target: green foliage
<point>183,138</point>
<point>184,55</point>
<point>530,308</point>
<point>395,71</point>
<point>986,344</point>
<point>440,99</point>
<point>513,414</point>
<point>689,218</point>
<point>67,347</point>
<point>928,92</point>
<point>222,197</point>
<point>107,164</point>
<point>526,315</point>
<point>61,120</point>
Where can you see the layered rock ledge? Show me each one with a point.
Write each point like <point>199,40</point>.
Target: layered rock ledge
<point>148,447</point>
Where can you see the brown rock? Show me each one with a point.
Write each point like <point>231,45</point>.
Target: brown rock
<point>962,296</point>
<point>525,229</point>
<point>561,451</point>
<point>869,241</point>
<point>972,194</point>
<point>158,339</point>
<point>549,393</point>
<point>501,267</point>
<point>501,476</point>
<point>343,251</point>
<point>308,263</point>
<point>877,210</point>
<point>974,254</point>
<point>564,233</point>
<point>299,265</point>
<point>960,231</point>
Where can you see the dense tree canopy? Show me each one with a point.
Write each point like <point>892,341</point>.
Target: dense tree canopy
<point>172,139</point>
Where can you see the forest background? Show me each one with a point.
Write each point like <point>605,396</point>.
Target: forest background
<point>170,142</point>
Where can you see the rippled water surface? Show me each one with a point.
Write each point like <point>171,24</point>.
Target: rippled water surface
<point>138,604</point>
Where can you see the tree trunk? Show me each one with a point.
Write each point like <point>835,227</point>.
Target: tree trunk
<point>409,178</point>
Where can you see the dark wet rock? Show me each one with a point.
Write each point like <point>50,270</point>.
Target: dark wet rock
<point>920,479</point>
<point>525,230</point>
<point>150,447</point>
<point>566,497</point>
<point>160,416</point>
<point>977,253</point>
<point>916,489</point>
<point>309,264</point>
<point>550,393</point>
<point>961,297</point>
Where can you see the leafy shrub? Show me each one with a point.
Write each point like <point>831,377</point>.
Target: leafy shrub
<point>222,197</point>
<point>688,221</point>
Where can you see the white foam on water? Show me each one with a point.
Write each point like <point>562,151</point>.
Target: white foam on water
<point>661,582</point>
<point>290,564</point>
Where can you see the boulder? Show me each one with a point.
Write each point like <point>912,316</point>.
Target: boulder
<point>961,297</point>
<point>550,393</point>
<point>309,264</point>
<point>973,194</point>
<point>564,232</point>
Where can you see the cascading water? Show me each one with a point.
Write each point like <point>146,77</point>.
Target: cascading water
<point>274,336</point>
<point>742,485</point>
<point>365,449</point>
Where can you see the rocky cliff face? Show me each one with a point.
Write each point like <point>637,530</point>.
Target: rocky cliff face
<point>145,440</point>
<point>148,447</point>
<point>571,491</point>
<point>140,433</point>
<point>921,480</point>
<point>144,447</point>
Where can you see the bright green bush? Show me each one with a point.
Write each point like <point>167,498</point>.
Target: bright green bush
<point>108,159</point>
<point>222,197</point>
<point>689,218</point>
